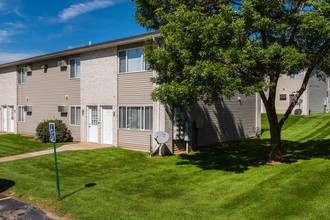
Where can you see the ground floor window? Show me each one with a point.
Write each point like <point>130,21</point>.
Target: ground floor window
<point>21,113</point>
<point>135,117</point>
<point>75,115</point>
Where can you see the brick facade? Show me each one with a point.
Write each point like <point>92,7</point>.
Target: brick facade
<point>98,87</point>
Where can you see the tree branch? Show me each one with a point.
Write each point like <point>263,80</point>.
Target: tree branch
<point>322,52</point>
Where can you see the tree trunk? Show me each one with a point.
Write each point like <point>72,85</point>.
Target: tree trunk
<point>275,143</point>
<point>275,127</point>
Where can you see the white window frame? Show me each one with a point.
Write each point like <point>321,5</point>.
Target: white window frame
<point>75,69</point>
<point>21,76</point>
<point>124,122</point>
<point>75,107</point>
<point>21,114</point>
<point>144,65</point>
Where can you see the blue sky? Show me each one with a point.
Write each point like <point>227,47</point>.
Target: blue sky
<point>33,27</point>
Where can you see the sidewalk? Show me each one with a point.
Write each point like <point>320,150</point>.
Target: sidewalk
<point>70,147</point>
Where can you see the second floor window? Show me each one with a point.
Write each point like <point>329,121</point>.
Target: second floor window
<point>75,68</point>
<point>21,76</point>
<point>132,60</point>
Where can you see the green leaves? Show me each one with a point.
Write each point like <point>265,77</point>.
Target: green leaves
<point>213,48</point>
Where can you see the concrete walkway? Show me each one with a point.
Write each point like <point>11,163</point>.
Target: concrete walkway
<point>70,147</point>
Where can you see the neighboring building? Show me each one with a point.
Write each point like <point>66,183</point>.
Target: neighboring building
<point>313,100</point>
<point>8,99</point>
<point>102,92</point>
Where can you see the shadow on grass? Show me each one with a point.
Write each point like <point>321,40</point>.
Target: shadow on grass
<point>88,185</point>
<point>239,156</point>
<point>5,184</point>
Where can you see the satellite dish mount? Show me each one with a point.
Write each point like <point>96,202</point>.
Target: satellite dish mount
<point>161,138</point>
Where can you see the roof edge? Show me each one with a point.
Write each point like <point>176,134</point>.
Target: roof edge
<point>98,46</point>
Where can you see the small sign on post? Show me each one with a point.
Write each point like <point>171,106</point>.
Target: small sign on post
<point>52,132</point>
<point>52,137</point>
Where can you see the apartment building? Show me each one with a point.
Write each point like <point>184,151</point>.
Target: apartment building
<point>314,100</point>
<point>8,99</point>
<point>102,93</point>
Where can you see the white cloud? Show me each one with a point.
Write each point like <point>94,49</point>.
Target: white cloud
<point>15,25</point>
<point>10,29</point>
<point>4,36</point>
<point>2,5</point>
<point>81,8</point>
<point>18,13</point>
<point>10,57</point>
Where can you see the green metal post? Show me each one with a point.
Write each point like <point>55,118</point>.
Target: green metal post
<point>56,170</point>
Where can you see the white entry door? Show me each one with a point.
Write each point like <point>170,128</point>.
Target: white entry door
<point>107,116</point>
<point>4,119</point>
<point>11,119</point>
<point>92,124</point>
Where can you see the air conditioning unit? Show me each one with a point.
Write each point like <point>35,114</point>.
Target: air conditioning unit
<point>63,108</point>
<point>62,63</point>
<point>27,69</point>
<point>28,108</point>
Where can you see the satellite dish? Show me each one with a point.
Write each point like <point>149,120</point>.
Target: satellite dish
<point>161,137</point>
<point>298,112</point>
<point>299,101</point>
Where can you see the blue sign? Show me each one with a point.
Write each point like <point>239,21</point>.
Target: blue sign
<point>52,132</point>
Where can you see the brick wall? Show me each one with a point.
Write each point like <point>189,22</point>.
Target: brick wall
<point>99,86</point>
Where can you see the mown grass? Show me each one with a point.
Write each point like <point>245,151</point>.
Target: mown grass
<point>225,182</point>
<point>11,144</point>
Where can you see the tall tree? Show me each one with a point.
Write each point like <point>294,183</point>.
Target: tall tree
<point>211,48</point>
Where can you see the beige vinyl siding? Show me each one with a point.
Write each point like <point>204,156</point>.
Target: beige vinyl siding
<point>45,91</point>
<point>8,91</point>
<point>317,95</point>
<point>134,89</point>
<point>134,139</point>
<point>225,120</point>
<point>287,86</point>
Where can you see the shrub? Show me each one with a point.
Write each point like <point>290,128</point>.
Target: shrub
<point>63,134</point>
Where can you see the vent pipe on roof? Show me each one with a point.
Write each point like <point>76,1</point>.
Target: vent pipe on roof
<point>89,43</point>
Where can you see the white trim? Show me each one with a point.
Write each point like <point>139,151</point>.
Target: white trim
<point>75,110</point>
<point>102,125</point>
<point>142,113</point>
<point>75,68</point>
<point>18,113</point>
<point>143,64</point>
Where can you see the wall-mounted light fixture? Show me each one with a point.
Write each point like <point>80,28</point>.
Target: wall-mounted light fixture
<point>66,97</point>
<point>27,98</point>
<point>239,99</point>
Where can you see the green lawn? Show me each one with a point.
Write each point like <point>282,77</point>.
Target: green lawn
<point>226,182</point>
<point>11,144</point>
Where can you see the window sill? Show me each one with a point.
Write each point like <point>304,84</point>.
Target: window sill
<point>128,129</point>
<point>141,71</point>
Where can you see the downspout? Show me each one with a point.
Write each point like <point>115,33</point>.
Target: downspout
<point>16,107</point>
<point>257,114</point>
<point>158,116</point>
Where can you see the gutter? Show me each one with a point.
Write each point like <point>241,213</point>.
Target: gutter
<point>103,45</point>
